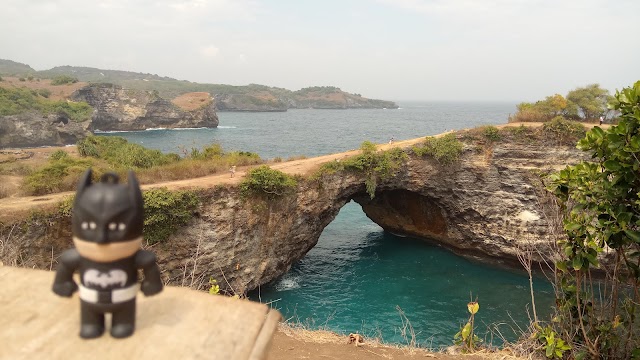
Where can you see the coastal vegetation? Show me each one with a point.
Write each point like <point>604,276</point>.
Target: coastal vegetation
<point>445,149</point>
<point>601,216</point>
<point>374,165</point>
<point>264,181</point>
<point>15,101</point>
<point>111,153</point>
<point>584,104</point>
<point>166,211</point>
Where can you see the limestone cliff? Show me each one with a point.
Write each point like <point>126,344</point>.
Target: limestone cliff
<point>116,108</point>
<point>32,129</point>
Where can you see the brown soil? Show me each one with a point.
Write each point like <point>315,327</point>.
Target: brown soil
<point>292,343</point>
<point>192,101</point>
<point>58,92</point>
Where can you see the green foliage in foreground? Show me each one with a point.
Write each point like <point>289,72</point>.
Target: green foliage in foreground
<point>265,181</point>
<point>446,149</point>
<point>18,101</point>
<point>601,203</point>
<point>122,154</point>
<point>375,165</point>
<point>166,211</point>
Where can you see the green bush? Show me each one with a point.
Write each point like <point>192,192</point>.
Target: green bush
<point>166,211</point>
<point>491,133</point>
<point>563,131</point>
<point>375,166</point>
<point>17,101</point>
<point>63,79</point>
<point>122,154</point>
<point>57,175</point>
<point>600,205</point>
<point>445,149</point>
<point>59,155</point>
<point>265,181</point>
<point>44,92</point>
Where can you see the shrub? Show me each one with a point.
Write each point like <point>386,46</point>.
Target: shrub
<point>122,154</point>
<point>59,174</point>
<point>563,131</point>
<point>491,133</point>
<point>375,166</point>
<point>59,155</point>
<point>44,92</point>
<point>600,205</point>
<point>22,79</point>
<point>265,181</point>
<point>16,101</point>
<point>445,149</point>
<point>166,211</point>
<point>63,79</point>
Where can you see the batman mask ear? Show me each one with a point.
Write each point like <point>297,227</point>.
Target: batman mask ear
<point>85,181</point>
<point>134,190</point>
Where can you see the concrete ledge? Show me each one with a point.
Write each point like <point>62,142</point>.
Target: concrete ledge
<point>176,324</point>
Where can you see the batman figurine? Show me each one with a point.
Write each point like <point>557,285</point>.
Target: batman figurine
<point>107,224</point>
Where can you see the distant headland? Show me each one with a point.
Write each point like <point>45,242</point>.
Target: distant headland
<point>252,97</point>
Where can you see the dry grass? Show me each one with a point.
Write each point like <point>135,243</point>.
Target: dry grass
<point>192,101</point>
<point>58,92</point>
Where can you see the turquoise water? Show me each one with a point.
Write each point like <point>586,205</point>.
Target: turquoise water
<point>356,276</point>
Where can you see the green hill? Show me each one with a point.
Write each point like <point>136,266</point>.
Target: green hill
<point>252,97</point>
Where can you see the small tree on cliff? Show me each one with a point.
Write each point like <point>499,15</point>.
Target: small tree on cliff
<point>601,199</point>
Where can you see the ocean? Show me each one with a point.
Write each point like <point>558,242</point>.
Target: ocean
<point>359,278</point>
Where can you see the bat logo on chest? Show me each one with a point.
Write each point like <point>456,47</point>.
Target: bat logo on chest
<point>105,279</point>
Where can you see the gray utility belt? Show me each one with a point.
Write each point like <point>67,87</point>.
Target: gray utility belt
<point>114,296</point>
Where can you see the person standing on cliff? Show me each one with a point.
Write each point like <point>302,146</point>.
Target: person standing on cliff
<point>601,120</point>
<point>232,170</point>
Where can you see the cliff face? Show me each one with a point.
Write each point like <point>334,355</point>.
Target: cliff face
<point>489,205</point>
<point>33,129</point>
<point>116,108</point>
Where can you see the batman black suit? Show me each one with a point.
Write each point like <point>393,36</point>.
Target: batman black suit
<point>107,232</point>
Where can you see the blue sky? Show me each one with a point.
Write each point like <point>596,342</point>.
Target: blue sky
<point>499,50</point>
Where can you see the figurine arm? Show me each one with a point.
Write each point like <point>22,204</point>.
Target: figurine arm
<point>151,284</point>
<point>63,284</point>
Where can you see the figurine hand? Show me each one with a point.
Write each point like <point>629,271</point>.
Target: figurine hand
<point>66,288</point>
<point>148,288</point>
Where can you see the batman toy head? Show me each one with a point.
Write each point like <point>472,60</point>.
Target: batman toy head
<point>107,212</point>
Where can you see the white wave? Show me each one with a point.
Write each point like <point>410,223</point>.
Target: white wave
<point>98,131</point>
<point>287,284</point>
<point>227,127</point>
<point>153,129</point>
<point>198,128</point>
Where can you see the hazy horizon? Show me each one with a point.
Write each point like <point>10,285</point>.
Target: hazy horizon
<point>423,50</point>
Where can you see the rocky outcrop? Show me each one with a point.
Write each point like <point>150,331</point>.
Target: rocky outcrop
<point>32,129</point>
<point>489,204</point>
<point>121,109</point>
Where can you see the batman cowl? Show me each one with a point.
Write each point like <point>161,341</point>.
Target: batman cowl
<point>107,224</point>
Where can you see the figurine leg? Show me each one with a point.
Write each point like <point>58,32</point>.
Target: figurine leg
<point>91,321</point>
<point>124,319</point>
